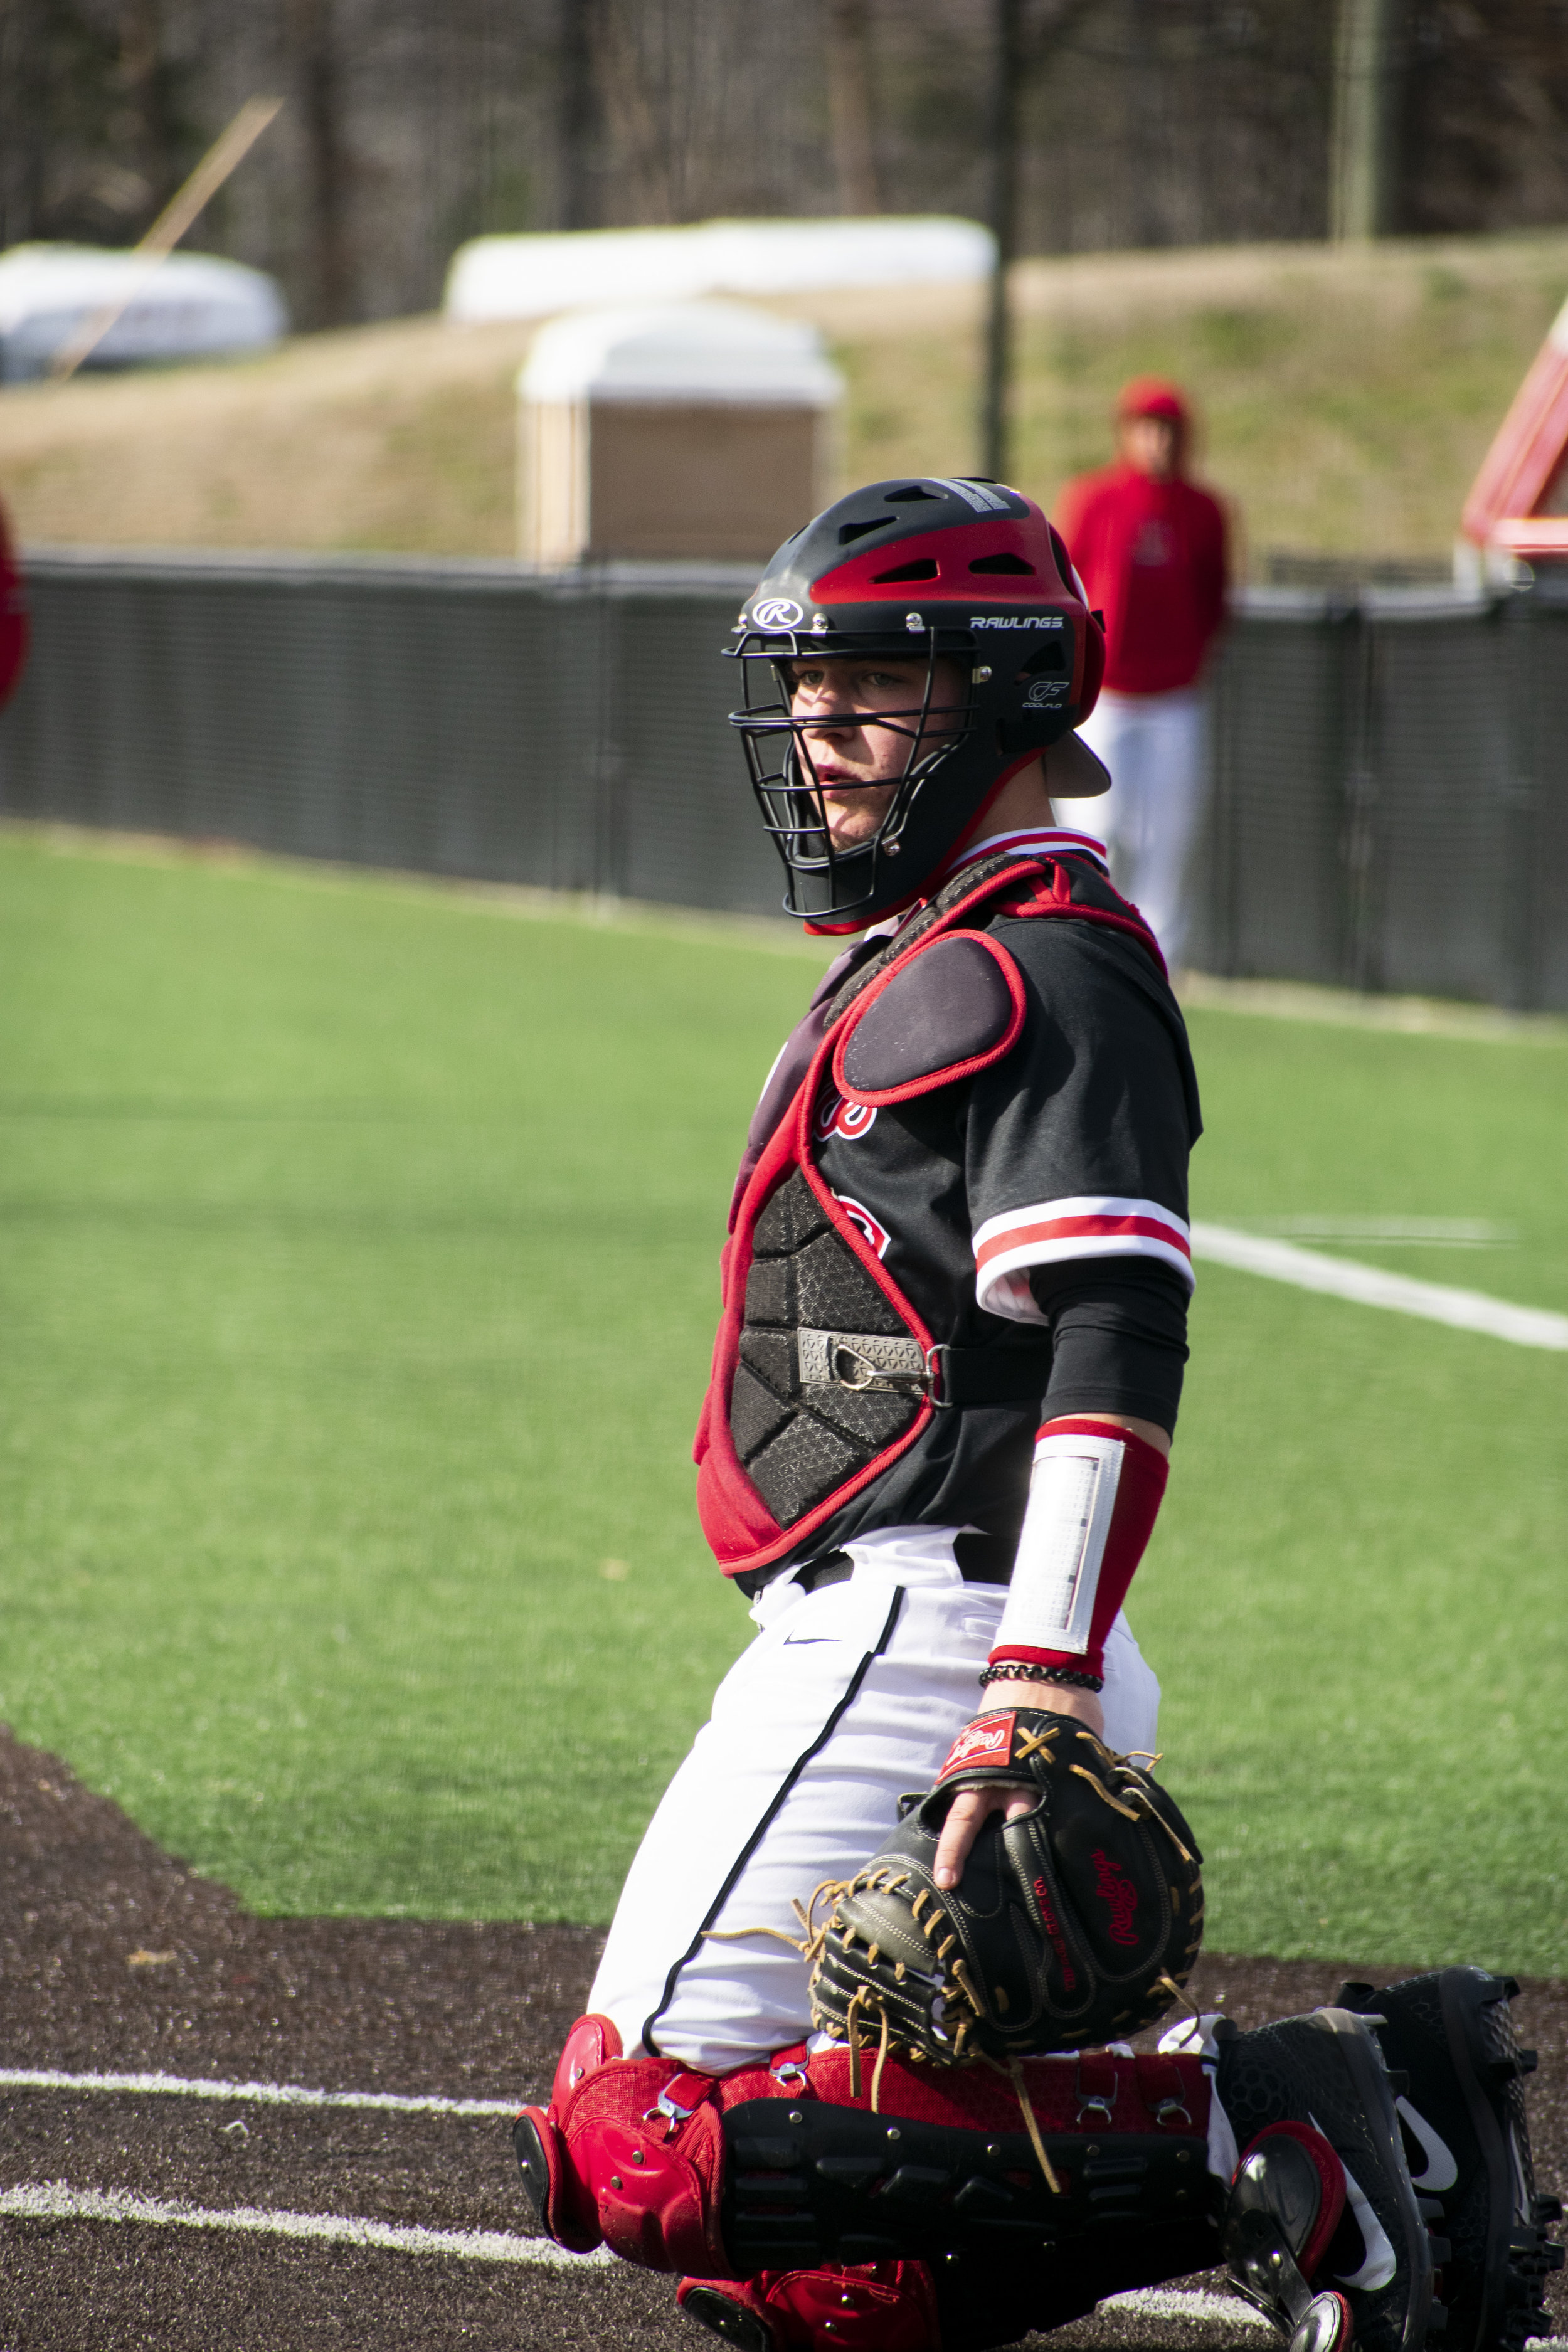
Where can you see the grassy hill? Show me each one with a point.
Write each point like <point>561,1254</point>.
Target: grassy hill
<point>1348,397</point>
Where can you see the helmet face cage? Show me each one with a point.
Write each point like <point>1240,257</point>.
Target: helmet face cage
<point>823,877</point>
<point>995,594</point>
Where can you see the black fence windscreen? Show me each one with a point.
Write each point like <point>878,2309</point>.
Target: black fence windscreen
<point>1389,796</point>
<point>1390,800</point>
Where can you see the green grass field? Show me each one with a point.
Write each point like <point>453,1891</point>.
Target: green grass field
<point>358,1286</point>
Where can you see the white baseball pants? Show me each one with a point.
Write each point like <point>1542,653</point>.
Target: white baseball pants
<point>1156,748</point>
<point>848,1696</point>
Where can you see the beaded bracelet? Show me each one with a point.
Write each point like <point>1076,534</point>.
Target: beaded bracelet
<point>1024,1671</point>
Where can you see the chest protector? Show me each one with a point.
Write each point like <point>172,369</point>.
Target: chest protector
<point>823,1373</point>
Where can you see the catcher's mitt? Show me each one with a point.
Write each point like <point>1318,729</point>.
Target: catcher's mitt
<point>1071,1927</point>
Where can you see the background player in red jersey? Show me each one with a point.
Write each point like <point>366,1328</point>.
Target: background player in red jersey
<point>1151,547</point>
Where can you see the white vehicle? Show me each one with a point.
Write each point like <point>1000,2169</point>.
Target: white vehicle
<point>533,277</point>
<point>188,306</point>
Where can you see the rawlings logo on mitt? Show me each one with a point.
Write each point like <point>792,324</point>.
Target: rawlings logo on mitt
<point>1073,1925</point>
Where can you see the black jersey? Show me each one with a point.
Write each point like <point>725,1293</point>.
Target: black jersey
<point>1068,1151</point>
<point>1073,1147</point>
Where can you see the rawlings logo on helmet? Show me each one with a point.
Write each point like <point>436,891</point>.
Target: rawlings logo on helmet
<point>1016,621</point>
<point>777,612</point>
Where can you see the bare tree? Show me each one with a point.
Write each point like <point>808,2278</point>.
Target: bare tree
<point>411,127</point>
<point>317,76</point>
<point>1367,47</point>
<point>580,113</point>
<point>848,56</point>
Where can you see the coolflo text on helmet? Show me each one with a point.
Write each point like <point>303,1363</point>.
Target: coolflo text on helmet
<point>917,569</point>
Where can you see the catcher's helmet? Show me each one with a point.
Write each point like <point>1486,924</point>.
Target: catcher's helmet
<point>918,567</point>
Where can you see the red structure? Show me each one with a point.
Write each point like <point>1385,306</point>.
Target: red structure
<point>1519,502</point>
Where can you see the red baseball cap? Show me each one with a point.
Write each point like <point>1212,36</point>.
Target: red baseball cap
<point>1151,395</point>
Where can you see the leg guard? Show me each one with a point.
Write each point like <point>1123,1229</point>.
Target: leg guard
<point>785,2174</point>
<point>628,2154</point>
<point>876,2307</point>
<point>954,2160</point>
<point>1286,2203</point>
<point>1326,2071</point>
<point>1468,2145</point>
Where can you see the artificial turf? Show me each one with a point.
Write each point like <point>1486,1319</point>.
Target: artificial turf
<point>358,1286</point>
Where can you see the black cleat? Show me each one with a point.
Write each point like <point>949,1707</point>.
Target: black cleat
<point>1468,2147</point>
<point>1326,2071</point>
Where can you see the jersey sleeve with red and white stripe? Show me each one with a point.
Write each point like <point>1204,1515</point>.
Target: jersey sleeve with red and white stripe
<point>1077,1144</point>
<point>1049,1233</point>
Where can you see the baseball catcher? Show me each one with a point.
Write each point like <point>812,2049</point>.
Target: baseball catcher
<point>901,2112</point>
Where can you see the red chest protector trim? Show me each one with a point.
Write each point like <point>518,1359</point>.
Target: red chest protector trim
<point>812,1249</point>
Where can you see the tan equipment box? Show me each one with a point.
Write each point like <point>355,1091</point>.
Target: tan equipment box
<point>681,430</point>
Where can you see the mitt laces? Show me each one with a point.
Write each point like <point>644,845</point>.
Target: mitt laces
<point>866,2006</point>
<point>1131,1783</point>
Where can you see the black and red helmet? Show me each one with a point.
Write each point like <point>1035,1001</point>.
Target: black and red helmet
<point>918,568</point>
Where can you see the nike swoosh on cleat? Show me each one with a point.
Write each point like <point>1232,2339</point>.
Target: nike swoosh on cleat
<point>1442,2169</point>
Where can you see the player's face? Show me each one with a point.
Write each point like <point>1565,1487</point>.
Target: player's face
<point>857,762</point>
<point>1149,444</point>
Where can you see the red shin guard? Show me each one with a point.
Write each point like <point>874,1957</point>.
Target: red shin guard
<point>631,2152</point>
<point>869,2307</point>
<point>1317,2230</point>
<point>1286,2204</point>
<point>628,2154</point>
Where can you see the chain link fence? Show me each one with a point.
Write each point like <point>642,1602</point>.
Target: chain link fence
<point>1390,807</point>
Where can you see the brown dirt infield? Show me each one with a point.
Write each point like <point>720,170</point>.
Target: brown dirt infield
<point>115,1959</point>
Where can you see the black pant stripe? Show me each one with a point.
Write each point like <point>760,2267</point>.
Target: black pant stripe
<point>786,1785</point>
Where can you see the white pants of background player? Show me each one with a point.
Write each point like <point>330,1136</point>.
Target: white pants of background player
<point>1156,748</point>
<point>848,1696</point>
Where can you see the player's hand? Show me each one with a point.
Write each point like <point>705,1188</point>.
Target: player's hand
<point>972,1807</point>
<point>969,1809</point>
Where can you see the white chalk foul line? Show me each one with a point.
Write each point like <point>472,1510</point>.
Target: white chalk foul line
<point>1185,2303</point>
<point>259,2094</point>
<point>1369,1286</point>
<point>1193,2304</point>
<point>57,2200</point>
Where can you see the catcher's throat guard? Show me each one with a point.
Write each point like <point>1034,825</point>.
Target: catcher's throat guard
<point>1073,1925</point>
<point>921,569</point>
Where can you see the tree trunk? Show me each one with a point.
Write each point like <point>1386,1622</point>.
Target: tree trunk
<point>581,130</point>
<point>849,105</point>
<point>1361,164</point>
<point>318,77</point>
